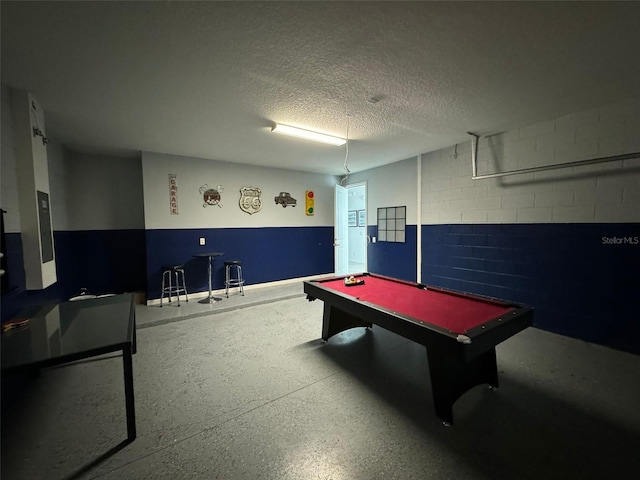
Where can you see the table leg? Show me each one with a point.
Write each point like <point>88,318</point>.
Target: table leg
<point>210,298</point>
<point>128,393</point>
<point>210,295</point>
<point>134,348</point>
<point>452,376</point>
<point>335,321</point>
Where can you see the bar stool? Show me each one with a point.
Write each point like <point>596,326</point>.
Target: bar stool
<point>231,281</point>
<point>169,288</point>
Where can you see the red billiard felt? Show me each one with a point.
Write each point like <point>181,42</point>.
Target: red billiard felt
<point>455,313</point>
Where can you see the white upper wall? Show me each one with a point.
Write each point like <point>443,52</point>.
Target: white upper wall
<point>605,192</point>
<point>56,155</point>
<point>392,185</point>
<point>192,174</point>
<point>95,192</point>
<point>87,192</point>
<point>8,172</point>
<point>103,192</point>
<point>100,192</point>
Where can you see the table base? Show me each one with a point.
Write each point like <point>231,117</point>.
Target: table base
<point>210,300</point>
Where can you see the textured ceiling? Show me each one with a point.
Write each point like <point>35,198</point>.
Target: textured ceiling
<point>209,79</point>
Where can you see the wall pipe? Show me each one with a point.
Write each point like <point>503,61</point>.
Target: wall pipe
<point>474,155</point>
<point>591,161</point>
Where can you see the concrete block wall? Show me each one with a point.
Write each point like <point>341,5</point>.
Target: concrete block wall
<point>605,192</point>
<point>543,238</point>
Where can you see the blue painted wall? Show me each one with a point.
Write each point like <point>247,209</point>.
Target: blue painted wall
<point>17,298</point>
<point>579,285</point>
<point>15,264</point>
<point>131,260</point>
<point>268,254</point>
<point>393,259</point>
<point>103,261</point>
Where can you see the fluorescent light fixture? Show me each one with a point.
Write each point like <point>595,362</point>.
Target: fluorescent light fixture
<point>308,134</point>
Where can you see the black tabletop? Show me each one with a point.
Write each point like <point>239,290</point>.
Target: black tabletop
<point>70,330</point>
<point>208,254</point>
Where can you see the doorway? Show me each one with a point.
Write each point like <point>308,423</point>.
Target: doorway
<point>351,229</point>
<point>357,205</point>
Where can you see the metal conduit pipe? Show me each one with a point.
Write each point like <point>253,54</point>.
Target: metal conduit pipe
<point>474,155</point>
<point>591,161</point>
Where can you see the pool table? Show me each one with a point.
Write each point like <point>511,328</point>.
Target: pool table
<point>460,331</point>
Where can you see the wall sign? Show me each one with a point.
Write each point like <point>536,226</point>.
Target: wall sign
<point>173,194</point>
<point>250,201</point>
<point>309,203</point>
<point>285,199</point>
<point>211,196</point>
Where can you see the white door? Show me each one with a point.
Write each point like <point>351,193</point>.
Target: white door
<point>357,200</point>
<point>340,231</point>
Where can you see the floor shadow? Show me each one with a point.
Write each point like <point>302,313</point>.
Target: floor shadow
<point>22,400</point>
<point>97,461</point>
<point>241,303</point>
<point>518,431</point>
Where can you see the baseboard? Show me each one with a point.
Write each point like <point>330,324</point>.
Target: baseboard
<point>257,286</point>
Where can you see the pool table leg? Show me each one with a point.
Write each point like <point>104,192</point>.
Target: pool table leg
<point>452,376</point>
<point>335,321</point>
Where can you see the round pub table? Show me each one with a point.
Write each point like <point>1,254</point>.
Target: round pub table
<point>211,256</point>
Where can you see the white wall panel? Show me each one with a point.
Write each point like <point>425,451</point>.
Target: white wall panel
<point>8,172</point>
<point>103,192</point>
<point>605,192</point>
<point>193,173</point>
<point>392,185</point>
<point>56,157</point>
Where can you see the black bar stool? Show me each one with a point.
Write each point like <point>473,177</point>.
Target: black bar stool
<point>233,281</point>
<point>169,288</point>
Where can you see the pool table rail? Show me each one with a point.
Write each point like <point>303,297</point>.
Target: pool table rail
<point>345,313</point>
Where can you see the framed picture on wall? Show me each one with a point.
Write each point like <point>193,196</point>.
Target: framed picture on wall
<point>362,218</point>
<point>352,218</point>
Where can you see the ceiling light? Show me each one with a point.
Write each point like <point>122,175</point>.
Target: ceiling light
<point>308,134</point>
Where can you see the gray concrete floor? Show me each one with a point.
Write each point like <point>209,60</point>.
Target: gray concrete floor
<point>244,389</point>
